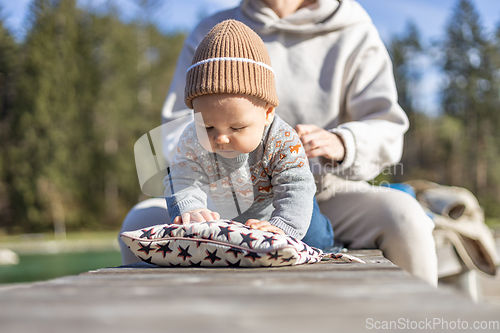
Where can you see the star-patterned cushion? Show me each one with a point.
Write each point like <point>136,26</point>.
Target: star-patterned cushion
<point>217,243</point>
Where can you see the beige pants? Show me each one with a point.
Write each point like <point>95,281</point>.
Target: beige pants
<point>363,217</point>
<point>374,217</point>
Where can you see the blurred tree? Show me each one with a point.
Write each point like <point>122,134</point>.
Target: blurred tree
<point>73,106</point>
<point>134,81</point>
<point>494,140</point>
<point>115,56</point>
<point>79,116</point>
<point>425,143</point>
<point>468,97</point>
<point>9,62</point>
<point>405,51</point>
<point>52,127</point>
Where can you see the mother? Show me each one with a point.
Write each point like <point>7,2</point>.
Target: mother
<point>335,84</point>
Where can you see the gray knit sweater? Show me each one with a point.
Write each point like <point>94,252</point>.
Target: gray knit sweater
<point>272,183</point>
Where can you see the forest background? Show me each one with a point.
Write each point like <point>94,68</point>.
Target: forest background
<point>83,86</point>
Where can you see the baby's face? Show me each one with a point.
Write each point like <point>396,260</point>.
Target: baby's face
<point>230,124</point>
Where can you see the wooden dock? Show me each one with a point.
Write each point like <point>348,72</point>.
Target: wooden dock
<point>323,297</point>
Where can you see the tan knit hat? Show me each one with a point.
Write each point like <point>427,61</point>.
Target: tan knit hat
<point>231,58</point>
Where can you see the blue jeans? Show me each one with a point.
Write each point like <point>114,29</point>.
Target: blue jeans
<point>320,232</point>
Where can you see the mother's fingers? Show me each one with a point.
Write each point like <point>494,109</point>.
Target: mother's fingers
<point>303,129</point>
<point>323,143</point>
<point>314,134</point>
<point>316,140</point>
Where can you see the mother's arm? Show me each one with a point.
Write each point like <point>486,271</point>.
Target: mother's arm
<point>372,139</point>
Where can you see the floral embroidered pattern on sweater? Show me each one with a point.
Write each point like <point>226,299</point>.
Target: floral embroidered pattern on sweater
<point>272,183</point>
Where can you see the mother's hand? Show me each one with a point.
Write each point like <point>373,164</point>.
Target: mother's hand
<point>320,142</point>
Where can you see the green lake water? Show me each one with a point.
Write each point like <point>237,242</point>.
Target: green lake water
<point>37,267</point>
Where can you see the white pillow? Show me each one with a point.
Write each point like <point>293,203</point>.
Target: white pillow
<point>217,243</point>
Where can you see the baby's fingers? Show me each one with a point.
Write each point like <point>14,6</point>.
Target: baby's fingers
<point>215,216</point>
<point>272,228</point>
<point>256,224</point>
<point>253,223</point>
<point>207,215</point>
<point>186,218</point>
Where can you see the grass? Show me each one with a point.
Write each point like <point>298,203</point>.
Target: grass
<point>37,267</point>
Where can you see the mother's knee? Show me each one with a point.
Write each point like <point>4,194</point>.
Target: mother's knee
<point>399,211</point>
<point>145,214</point>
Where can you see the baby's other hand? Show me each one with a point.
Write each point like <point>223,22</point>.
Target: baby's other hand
<point>197,215</point>
<point>264,225</point>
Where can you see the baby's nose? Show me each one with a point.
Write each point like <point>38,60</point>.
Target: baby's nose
<point>221,139</point>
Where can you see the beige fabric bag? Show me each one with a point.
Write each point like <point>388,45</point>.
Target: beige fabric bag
<point>459,219</point>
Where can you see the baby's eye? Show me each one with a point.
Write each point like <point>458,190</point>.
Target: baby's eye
<point>209,128</point>
<point>236,129</point>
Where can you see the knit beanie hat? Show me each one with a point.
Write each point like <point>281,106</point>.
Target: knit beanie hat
<point>231,58</point>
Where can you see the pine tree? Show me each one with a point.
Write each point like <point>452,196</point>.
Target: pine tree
<point>77,114</point>
<point>469,98</point>
<point>9,55</point>
<point>134,81</point>
<point>405,51</point>
<point>52,127</point>
<point>492,205</point>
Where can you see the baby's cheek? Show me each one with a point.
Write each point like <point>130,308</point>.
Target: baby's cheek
<point>205,143</point>
<point>252,142</point>
<point>203,139</point>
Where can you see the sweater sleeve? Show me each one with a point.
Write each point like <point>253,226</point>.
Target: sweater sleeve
<point>186,186</point>
<point>293,185</point>
<point>373,136</point>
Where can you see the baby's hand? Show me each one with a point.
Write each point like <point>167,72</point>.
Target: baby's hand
<point>264,225</point>
<point>197,215</point>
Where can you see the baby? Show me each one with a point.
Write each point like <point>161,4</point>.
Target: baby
<point>238,157</point>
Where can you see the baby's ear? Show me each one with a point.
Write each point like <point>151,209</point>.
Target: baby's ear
<point>269,114</point>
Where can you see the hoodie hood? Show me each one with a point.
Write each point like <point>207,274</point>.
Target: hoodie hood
<point>322,16</point>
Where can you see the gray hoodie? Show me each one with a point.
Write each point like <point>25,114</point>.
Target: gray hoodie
<point>332,70</point>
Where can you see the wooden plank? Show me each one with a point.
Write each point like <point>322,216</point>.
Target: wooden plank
<point>324,297</point>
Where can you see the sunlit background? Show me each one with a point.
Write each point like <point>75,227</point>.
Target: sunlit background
<point>81,81</point>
